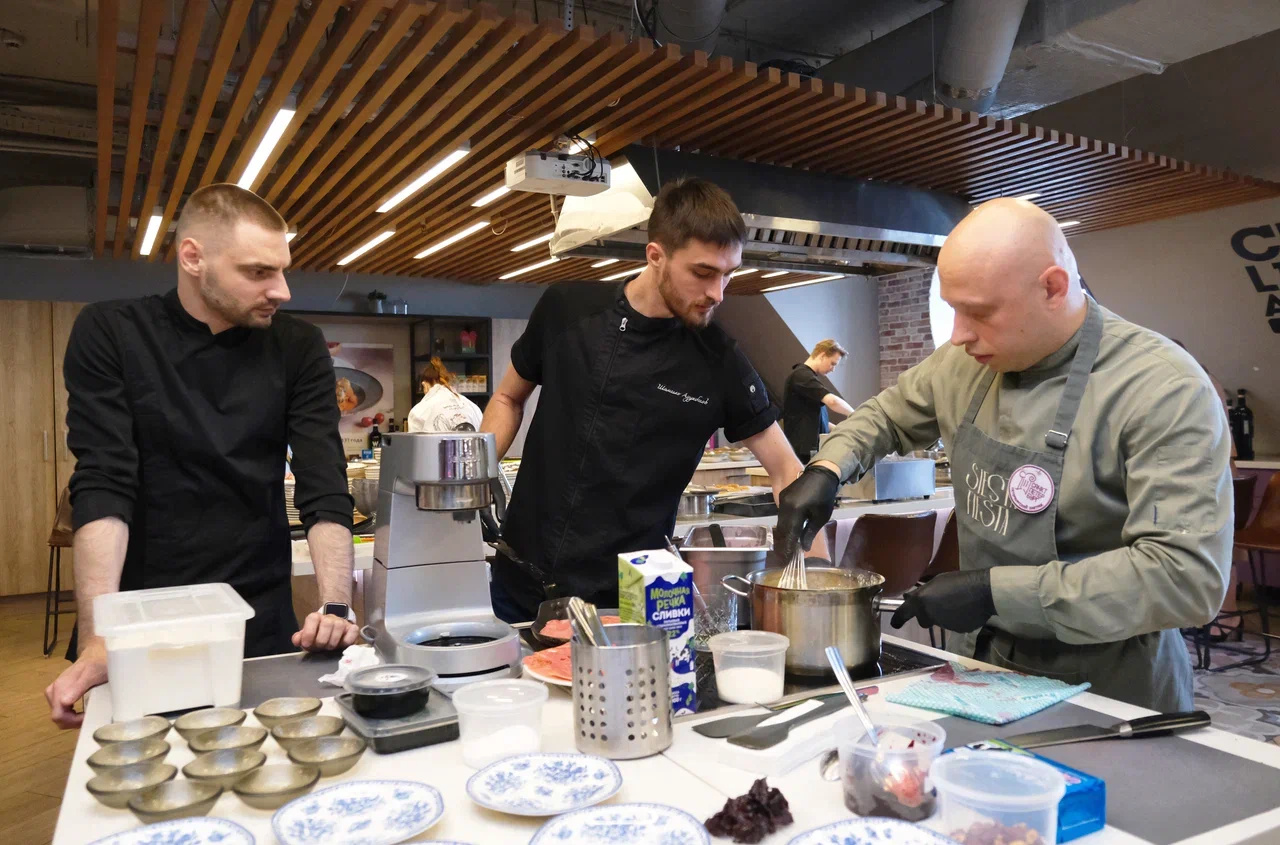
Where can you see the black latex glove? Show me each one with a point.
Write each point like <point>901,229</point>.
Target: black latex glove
<point>804,508</point>
<point>956,601</point>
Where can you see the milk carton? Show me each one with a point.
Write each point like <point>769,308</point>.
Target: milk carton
<point>656,588</point>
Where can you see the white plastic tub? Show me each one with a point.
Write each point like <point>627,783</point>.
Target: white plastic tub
<point>172,648</point>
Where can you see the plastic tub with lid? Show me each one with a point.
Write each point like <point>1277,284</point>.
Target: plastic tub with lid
<point>984,796</point>
<point>498,719</point>
<point>172,648</point>
<point>390,691</point>
<point>749,666</point>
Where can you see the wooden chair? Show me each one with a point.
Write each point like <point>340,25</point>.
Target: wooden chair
<point>1259,536</point>
<point>1203,638</point>
<point>898,546</point>
<point>59,539</point>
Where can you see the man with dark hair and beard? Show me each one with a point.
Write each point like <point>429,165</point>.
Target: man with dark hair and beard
<point>180,411</point>
<point>635,380</point>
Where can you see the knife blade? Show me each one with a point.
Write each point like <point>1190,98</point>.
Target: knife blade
<point>731,725</point>
<point>758,739</point>
<point>1161,725</point>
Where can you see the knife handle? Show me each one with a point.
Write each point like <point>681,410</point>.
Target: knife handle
<point>1165,723</point>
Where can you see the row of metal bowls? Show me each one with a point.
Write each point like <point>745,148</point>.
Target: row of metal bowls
<point>131,772</point>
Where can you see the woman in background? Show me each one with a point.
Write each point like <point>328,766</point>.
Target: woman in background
<point>442,408</point>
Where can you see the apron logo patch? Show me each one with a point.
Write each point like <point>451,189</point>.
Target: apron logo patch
<point>1031,489</point>
<point>987,500</point>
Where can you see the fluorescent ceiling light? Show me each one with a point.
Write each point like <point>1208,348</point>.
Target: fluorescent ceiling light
<point>530,268</point>
<point>499,191</point>
<point>622,275</point>
<point>1029,197</point>
<point>417,184</point>
<point>604,263</point>
<point>153,229</point>
<point>775,274</point>
<point>541,239</point>
<point>746,272</point>
<point>274,133</point>
<point>291,234</point>
<point>453,239</point>
<point>365,247</point>
<point>1066,224</point>
<point>805,282</point>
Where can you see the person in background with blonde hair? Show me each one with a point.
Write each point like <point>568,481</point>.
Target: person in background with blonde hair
<point>442,408</point>
<point>807,399</point>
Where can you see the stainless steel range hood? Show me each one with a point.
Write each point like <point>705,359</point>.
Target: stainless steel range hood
<point>797,220</point>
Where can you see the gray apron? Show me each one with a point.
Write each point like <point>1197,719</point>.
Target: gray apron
<point>1006,512</point>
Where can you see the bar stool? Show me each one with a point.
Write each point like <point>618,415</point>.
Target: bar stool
<point>59,539</point>
<point>897,546</point>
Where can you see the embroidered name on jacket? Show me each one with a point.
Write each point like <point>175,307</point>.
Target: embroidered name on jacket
<point>684,397</point>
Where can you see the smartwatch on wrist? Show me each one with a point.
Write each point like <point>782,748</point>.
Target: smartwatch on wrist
<point>339,609</point>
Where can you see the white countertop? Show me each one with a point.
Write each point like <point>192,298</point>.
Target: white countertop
<point>1260,462</point>
<point>302,556</point>
<point>680,777</point>
<point>727,465</point>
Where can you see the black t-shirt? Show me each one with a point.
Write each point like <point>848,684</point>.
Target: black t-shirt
<point>628,403</point>
<point>804,416</point>
<point>182,434</point>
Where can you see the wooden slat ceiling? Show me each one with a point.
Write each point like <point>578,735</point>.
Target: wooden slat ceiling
<point>385,89</point>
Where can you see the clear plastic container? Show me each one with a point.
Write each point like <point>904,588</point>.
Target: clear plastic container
<point>890,779</point>
<point>172,648</point>
<point>981,793</point>
<point>749,665</point>
<point>498,719</point>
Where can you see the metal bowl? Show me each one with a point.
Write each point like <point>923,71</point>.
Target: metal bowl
<point>176,799</point>
<point>148,727</point>
<point>115,787</point>
<point>274,786</point>
<point>274,711</point>
<point>132,753</point>
<point>224,767</point>
<point>291,733</point>
<point>197,722</point>
<point>365,493</point>
<point>221,739</point>
<point>332,754</point>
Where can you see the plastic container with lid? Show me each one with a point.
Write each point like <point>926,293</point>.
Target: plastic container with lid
<point>497,719</point>
<point>172,648</point>
<point>985,794</point>
<point>392,691</point>
<point>749,666</point>
<point>891,777</point>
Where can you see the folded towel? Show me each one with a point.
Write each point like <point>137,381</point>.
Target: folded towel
<point>994,698</point>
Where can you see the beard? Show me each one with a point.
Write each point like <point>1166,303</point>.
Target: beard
<point>694,314</point>
<point>217,299</point>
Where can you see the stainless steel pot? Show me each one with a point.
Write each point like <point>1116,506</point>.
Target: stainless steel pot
<point>841,607</point>
<point>696,502</point>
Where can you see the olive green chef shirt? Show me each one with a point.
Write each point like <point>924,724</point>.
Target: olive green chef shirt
<point>1144,524</point>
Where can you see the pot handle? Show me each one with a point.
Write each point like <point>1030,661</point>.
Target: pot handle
<point>883,605</point>
<point>725,581</point>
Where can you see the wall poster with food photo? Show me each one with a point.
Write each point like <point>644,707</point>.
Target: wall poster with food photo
<point>364,373</point>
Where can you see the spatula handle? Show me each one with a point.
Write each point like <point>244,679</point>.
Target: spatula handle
<point>1165,723</point>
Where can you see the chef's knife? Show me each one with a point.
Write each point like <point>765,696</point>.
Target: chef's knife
<point>730,725</point>
<point>760,738</point>
<point>1165,723</point>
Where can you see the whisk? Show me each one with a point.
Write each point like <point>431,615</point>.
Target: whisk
<point>793,577</point>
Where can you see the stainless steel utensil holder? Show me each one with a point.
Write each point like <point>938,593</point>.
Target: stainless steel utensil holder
<point>622,693</point>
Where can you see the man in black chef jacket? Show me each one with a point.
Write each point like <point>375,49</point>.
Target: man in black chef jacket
<point>635,379</point>
<point>180,408</point>
<point>806,398</point>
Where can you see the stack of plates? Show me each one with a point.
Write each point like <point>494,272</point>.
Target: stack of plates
<point>295,518</point>
<point>355,469</point>
<point>372,470</point>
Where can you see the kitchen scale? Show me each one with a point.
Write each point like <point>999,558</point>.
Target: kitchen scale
<point>428,603</point>
<point>437,723</point>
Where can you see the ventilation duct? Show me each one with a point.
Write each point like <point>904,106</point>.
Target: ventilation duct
<point>976,50</point>
<point>693,24</point>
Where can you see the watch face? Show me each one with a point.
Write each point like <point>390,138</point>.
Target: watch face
<point>336,608</point>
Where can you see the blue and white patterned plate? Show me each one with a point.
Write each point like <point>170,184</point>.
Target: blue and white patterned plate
<point>360,812</point>
<point>197,830</point>
<point>871,831</point>
<point>624,824</point>
<point>544,784</point>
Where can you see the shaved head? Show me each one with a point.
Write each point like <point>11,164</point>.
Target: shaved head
<point>1009,274</point>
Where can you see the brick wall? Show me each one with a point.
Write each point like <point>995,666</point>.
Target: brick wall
<point>904,323</point>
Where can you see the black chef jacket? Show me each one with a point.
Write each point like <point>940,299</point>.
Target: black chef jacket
<point>627,405</point>
<point>182,434</point>
<point>804,416</point>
